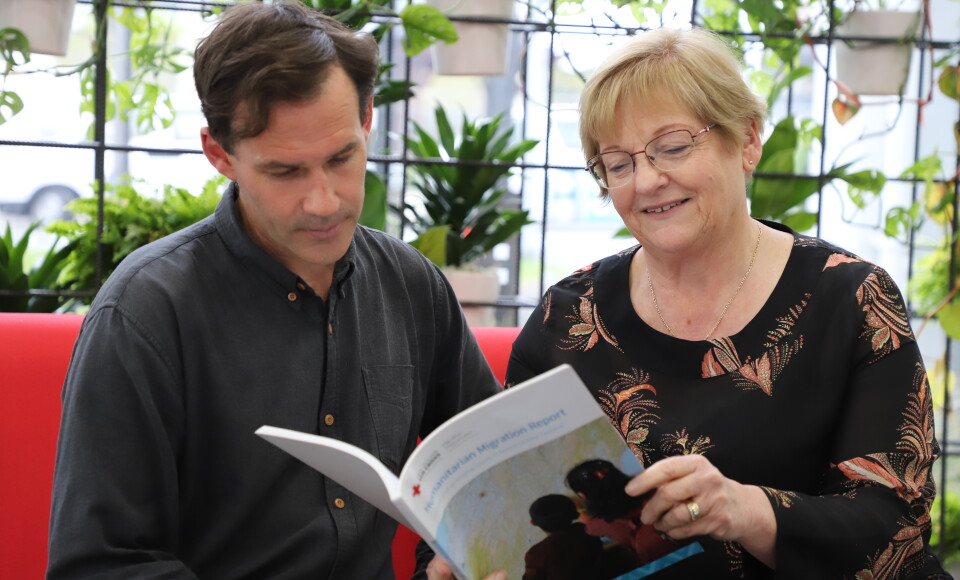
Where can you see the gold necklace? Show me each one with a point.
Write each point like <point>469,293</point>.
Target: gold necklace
<point>753,258</point>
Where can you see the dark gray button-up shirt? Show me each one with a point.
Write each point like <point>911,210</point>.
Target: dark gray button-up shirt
<point>201,337</point>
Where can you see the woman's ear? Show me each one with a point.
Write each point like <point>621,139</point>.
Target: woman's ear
<point>752,147</point>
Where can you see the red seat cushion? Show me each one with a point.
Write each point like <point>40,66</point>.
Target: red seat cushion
<point>496,343</point>
<point>35,351</point>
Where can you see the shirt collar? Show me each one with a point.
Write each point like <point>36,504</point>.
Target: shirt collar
<point>281,279</point>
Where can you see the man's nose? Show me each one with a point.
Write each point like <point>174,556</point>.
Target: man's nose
<point>320,198</point>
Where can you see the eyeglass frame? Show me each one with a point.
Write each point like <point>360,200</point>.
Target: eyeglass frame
<point>595,160</point>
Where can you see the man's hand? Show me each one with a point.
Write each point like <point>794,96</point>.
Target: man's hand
<point>440,570</point>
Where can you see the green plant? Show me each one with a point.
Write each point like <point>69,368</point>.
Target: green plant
<point>374,212</point>
<point>130,220</point>
<point>781,189</point>
<point>43,275</point>
<point>948,545</point>
<point>15,51</point>
<point>949,80</point>
<point>153,57</point>
<point>463,199</point>
<point>422,25</point>
<point>934,284</point>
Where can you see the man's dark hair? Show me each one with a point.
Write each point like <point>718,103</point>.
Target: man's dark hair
<point>260,55</point>
<point>553,512</point>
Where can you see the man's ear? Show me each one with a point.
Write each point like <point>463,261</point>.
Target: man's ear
<point>216,155</point>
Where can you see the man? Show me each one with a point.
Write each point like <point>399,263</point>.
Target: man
<point>278,309</point>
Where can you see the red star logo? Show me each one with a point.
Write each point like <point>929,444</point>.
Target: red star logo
<point>416,490</point>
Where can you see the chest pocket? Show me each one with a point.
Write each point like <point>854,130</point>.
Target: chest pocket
<point>390,396</point>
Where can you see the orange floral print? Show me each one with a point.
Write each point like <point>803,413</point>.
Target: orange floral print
<point>587,328</point>
<point>783,325</point>
<point>628,402</point>
<point>680,443</point>
<point>837,259</point>
<point>886,318</point>
<point>780,498</point>
<point>546,303</point>
<point>907,473</point>
<point>758,374</point>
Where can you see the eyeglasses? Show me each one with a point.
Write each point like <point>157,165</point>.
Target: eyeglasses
<point>667,152</point>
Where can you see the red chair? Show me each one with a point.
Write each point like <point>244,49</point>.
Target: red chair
<point>34,353</point>
<point>35,350</point>
<point>496,343</point>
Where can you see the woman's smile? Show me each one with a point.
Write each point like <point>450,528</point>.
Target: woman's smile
<point>667,207</point>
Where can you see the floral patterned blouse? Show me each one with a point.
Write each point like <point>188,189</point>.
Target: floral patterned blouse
<point>822,400</point>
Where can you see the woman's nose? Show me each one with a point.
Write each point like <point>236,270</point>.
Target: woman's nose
<point>646,175</point>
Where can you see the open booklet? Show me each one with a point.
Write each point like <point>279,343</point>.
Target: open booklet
<point>481,488</point>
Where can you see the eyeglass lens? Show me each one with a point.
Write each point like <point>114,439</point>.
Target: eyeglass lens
<point>667,152</point>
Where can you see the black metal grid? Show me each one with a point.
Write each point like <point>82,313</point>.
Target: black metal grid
<point>399,114</point>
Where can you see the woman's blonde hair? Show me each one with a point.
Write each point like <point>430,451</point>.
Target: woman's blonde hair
<point>695,68</point>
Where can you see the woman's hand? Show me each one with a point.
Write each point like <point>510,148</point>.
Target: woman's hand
<point>690,497</point>
<point>437,569</point>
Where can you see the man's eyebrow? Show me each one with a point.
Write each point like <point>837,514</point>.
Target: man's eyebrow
<point>348,148</point>
<point>277,165</point>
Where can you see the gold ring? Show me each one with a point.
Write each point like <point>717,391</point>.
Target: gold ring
<point>694,510</point>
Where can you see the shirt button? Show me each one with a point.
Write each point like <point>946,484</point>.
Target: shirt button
<point>339,503</point>
<point>292,297</point>
<point>330,328</point>
<point>328,419</point>
<point>301,286</point>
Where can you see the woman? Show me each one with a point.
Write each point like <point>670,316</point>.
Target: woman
<point>769,381</point>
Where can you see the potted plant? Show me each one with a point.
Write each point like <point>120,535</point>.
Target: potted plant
<point>457,215</point>
<point>45,23</point>
<point>857,60</point>
<point>131,218</point>
<point>480,47</point>
<point>19,277</point>
<point>871,42</point>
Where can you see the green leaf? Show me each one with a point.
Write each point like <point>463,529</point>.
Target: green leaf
<point>433,244</point>
<point>374,213</point>
<point>949,82</point>
<point>869,181</point>
<point>800,221</point>
<point>425,25</point>
<point>926,168</point>
<point>783,81</point>
<point>11,103</point>
<point>447,139</point>
<point>949,317</point>
<point>900,220</point>
<point>13,42</point>
<point>392,91</point>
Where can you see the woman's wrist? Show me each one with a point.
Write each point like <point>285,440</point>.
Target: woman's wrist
<point>760,526</point>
